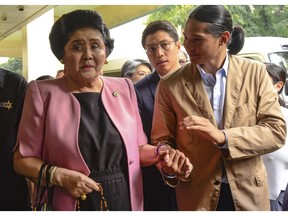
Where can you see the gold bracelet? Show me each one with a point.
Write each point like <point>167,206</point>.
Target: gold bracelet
<point>52,170</point>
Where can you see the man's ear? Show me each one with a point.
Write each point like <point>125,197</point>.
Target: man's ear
<point>278,86</point>
<point>224,38</point>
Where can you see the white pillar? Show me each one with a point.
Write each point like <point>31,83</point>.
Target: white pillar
<point>38,58</point>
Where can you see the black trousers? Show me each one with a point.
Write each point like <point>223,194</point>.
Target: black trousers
<point>225,202</point>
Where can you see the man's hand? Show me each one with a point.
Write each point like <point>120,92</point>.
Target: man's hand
<point>204,127</point>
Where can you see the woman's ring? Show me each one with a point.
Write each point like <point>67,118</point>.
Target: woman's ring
<point>83,197</point>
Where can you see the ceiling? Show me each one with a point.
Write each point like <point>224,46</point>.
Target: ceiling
<point>14,17</point>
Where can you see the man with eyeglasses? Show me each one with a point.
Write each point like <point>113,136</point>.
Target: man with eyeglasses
<point>161,43</point>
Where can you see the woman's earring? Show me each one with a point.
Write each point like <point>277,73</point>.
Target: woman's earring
<point>106,62</point>
<point>62,62</point>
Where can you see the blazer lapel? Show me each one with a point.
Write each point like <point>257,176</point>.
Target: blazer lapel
<point>112,93</point>
<point>197,89</point>
<point>154,79</point>
<point>233,86</point>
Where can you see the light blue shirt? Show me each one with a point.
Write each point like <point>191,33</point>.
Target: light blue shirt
<point>216,89</point>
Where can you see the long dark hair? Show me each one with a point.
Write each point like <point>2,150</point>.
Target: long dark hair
<point>219,20</point>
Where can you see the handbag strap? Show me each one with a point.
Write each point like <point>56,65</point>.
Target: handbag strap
<point>50,189</point>
<point>39,195</point>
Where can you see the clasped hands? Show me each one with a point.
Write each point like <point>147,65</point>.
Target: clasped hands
<point>173,162</point>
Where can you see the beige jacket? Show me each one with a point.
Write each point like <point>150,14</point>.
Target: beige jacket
<point>252,120</point>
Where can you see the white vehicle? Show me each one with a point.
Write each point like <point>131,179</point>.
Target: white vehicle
<point>268,49</point>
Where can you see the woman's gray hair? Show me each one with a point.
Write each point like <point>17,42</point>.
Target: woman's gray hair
<point>130,66</point>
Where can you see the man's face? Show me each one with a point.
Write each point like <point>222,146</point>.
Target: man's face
<point>162,52</point>
<point>201,46</point>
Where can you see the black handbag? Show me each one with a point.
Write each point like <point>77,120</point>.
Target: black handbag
<point>39,204</point>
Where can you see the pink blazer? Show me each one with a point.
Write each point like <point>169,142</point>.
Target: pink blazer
<point>49,130</point>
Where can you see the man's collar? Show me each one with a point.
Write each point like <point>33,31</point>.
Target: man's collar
<point>224,67</point>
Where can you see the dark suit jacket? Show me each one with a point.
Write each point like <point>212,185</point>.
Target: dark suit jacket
<point>145,90</point>
<point>157,196</point>
<point>13,188</point>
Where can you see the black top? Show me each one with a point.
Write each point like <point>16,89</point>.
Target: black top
<point>104,153</point>
<point>100,143</point>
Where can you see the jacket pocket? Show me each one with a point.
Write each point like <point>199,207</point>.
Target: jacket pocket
<point>244,114</point>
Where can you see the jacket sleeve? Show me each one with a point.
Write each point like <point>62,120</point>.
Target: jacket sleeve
<point>164,118</point>
<point>266,131</point>
<point>141,137</point>
<point>31,127</point>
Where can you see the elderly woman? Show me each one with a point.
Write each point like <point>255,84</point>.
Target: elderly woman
<point>136,69</point>
<point>87,127</point>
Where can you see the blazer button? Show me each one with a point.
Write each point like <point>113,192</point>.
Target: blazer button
<point>115,93</point>
<point>131,162</point>
<point>217,182</point>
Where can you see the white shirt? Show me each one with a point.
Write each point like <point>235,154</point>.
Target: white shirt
<point>276,164</point>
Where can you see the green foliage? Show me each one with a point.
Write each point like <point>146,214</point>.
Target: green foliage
<point>13,64</point>
<point>257,20</point>
<point>176,14</point>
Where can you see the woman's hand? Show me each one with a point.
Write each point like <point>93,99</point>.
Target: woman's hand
<point>174,162</point>
<point>75,182</point>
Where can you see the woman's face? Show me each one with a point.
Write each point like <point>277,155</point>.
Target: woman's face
<point>84,55</point>
<point>140,72</point>
<point>201,46</point>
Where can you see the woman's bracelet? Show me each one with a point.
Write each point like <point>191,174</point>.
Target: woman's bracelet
<point>51,171</point>
<point>158,148</point>
<point>168,176</point>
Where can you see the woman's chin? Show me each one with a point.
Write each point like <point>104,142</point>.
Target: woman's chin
<point>90,75</point>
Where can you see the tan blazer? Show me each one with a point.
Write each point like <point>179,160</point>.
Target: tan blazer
<point>252,120</point>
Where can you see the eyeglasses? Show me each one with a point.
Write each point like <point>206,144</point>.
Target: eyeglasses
<point>164,46</point>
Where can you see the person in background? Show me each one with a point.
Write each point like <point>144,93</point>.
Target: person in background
<point>183,57</point>
<point>221,111</point>
<point>13,187</point>
<point>161,42</point>
<point>285,200</point>
<point>276,163</point>
<point>60,73</point>
<point>136,69</point>
<point>44,77</point>
<point>86,127</point>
